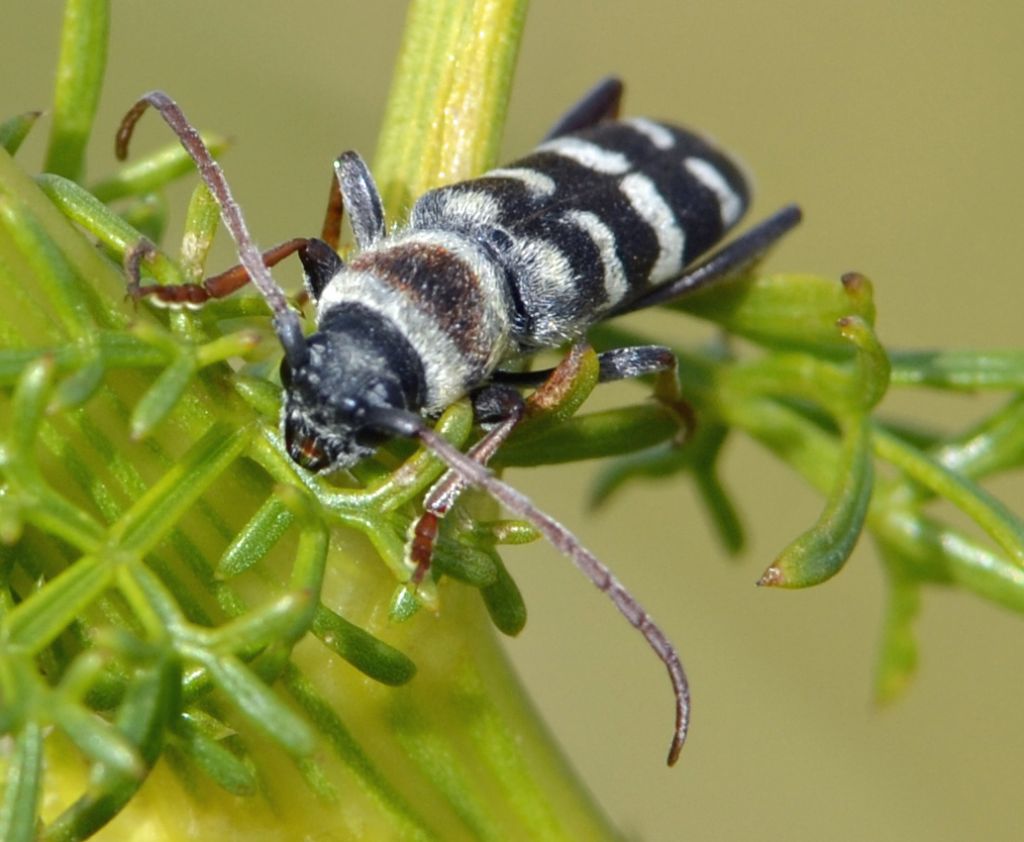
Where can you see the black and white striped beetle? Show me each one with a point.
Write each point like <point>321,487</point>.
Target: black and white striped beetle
<point>603,218</point>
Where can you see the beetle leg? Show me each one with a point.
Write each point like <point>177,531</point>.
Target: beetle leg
<point>600,103</point>
<point>195,295</point>
<point>724,263</point>
<point>504,407</point>
<point>358,193</point>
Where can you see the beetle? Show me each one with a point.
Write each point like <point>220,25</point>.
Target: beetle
<point>605,217</point>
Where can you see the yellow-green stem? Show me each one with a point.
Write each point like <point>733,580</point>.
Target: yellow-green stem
<point>446,110</point>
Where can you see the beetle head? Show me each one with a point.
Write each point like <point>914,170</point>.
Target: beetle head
<point>352,372</point>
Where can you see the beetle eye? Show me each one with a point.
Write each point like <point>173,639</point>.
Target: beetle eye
<point>285,373</point>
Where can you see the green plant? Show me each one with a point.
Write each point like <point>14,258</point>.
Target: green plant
<point>164,564</point>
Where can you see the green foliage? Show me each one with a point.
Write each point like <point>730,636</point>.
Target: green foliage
<point>164,564</point>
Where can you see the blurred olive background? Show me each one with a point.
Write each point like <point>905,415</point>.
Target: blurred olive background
<point>898,128</point>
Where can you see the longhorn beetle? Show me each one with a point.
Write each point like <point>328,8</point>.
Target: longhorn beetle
<point>603,218</point>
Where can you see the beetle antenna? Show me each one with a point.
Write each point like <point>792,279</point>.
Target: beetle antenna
<point>590,565</point>
<point>410,425</point>
<point>286,321</point>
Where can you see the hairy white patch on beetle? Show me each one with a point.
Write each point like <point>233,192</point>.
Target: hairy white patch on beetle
<point>657,134</point>
<point>547,285</point>
<point>647,201</point>
<point>615,284</point>
<point>729,202</point>
<point>539,184</point>
<point>471,207</point>
<point>588,154</point>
